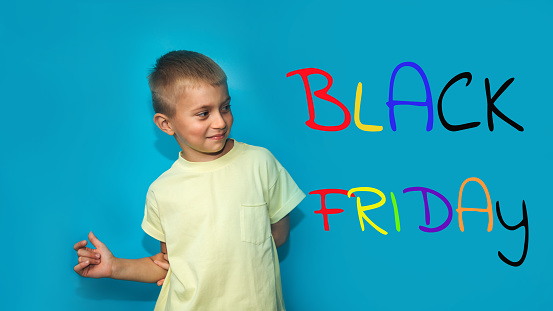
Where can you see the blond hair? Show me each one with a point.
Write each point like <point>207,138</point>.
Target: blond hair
<point>175,71</point>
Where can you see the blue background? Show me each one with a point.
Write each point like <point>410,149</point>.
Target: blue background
<point>79,148</point>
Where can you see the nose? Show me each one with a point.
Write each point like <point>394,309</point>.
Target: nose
<point>218,121</point>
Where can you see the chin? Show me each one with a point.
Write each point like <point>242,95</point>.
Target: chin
<point>219,148</point>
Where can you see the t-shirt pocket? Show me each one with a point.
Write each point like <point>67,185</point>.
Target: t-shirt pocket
<point>254,223</point>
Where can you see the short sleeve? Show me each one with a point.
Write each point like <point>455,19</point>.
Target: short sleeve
<point>284,194</point>
<point>151,224</point>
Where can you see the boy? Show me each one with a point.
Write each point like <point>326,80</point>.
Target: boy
<point>219,212</point>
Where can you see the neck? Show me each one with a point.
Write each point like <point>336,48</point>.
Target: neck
<point>206,157</point>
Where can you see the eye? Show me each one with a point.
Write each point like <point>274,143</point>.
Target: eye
<point>203,114</point>
<point>226,108</point>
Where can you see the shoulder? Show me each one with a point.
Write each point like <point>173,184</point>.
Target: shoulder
<point>164,180</point>
<point>259,156</point>
<point>261,162</point>
<point>255,151</point>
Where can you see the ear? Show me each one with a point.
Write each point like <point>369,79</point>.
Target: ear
<point>164,124</point>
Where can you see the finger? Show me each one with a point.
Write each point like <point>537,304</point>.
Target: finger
<point>88,253</point>
<point>94,240</point>
<point>164,265</point>
<point>94,251</point>
<point>165,257</point>
<point>80,244</point>
<point>93,261</point>
<point>79,268</point>
<point>160,282</point>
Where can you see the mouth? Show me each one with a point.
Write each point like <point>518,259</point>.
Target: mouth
<point>217,137</point>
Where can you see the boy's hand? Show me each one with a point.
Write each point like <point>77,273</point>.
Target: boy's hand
<point>164,263</point>
<point>94,263</point>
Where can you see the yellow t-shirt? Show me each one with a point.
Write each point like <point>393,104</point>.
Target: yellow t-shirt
<point>216,220</point>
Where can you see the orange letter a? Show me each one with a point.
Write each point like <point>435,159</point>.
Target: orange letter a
<point>488,209</point>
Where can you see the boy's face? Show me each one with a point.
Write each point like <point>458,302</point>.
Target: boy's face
<point>202,122</point>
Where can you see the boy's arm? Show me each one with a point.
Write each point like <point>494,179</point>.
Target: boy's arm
<point>281,230</point>
<point>162,263</point>
<point>100,263</point>
<point>139,270</point>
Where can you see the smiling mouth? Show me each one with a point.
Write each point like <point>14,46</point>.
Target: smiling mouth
<point>217,137</point>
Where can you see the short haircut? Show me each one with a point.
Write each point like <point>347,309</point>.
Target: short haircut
<point>179,69</point>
